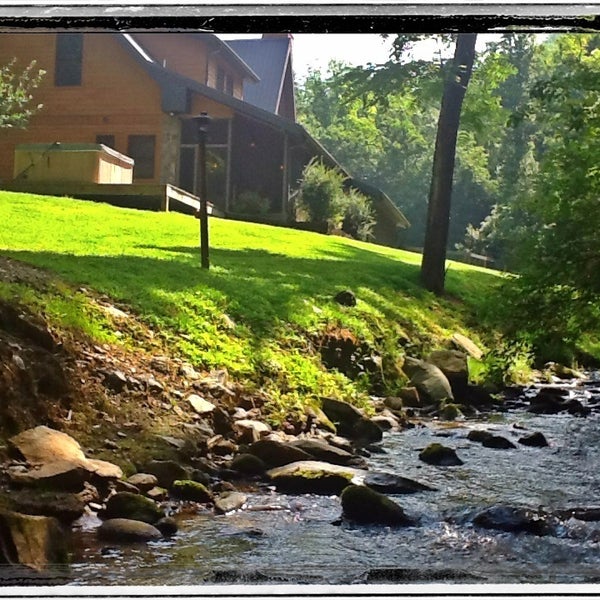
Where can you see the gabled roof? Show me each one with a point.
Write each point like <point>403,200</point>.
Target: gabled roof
<point>269,58</point>
<point>176,88</point>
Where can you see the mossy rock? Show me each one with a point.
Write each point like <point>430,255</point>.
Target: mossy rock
<point>312,477</point>
<point>126,505</point>
<point>248,464</point>
<point>186,489</point>
<point>479,435</point>
<point>437,454</point>
<point>364,505</point>
<point>450,411</point>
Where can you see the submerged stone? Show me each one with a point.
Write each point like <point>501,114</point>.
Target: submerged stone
<point>437,454</point>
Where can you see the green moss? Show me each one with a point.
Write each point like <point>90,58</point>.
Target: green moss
<point>186,489</point>
<point>364,505</point>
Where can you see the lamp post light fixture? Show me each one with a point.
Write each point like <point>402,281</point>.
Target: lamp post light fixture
<point>202,123</point>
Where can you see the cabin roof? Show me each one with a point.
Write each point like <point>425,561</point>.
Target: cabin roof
<point>269,59</point>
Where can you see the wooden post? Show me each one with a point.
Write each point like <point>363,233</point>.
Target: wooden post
<point>285,178</point>
<point>203,122</point>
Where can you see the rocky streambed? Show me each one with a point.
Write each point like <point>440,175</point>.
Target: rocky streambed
<point>515,502</point>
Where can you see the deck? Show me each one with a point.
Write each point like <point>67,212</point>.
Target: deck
<point>158,197</point>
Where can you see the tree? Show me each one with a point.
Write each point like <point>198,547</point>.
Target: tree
<point>16,94</point>
<point>433,266</point>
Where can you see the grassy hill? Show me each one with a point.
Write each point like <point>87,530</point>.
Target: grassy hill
<point>264,311</point>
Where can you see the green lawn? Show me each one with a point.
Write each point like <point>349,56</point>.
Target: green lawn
<point>268,291</point>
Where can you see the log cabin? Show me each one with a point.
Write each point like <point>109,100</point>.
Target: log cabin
<point>138,93</point>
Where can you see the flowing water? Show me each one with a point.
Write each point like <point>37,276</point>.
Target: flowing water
<point>294,539</point>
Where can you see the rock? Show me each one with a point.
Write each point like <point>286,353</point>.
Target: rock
<point>35,330</point>
<point>345,298</point>
<point>583,514</point>
<point>433,386</point>
<point>154,386</point>
<point>59,460</point>
<point>416,575</point>
<point>313,477</point>
<point>60,475</point>
<point>200,405</point>
<point>462,342</point>
<point>37,542</point>
<point>143,481</point>
<point>388,483</point>
<point>476,396</point>
<point>248,464</point>
<point>186,489</point>
<point>563,372</point>
<point>277,454</point>
<point>229,501</point>
<point>512,519</point>
<point>124,486</point>
<point>437,454</point>
<point>546,403</point>
<point>316,416</point>
<point>167,526</point>
<point>537,440</point>
<point>450,411</point>
<point>249,431</point>
<point>160,364</point>
<point>499,442</point>
<point>453,365</point>
<point>64,507</point>
<point>157,494</point>
<point>350,422</point>
<point>166,471</point>
<point>322,451</point>
<point>115,381</point>
<point>364,505</point>
<point>188,372</point>
<point>479,435</point>
<point>221,421</point>
<point>386,422</point>
<point>396,403</point>
<point>128,530</point>
<point>125,505</point>
<point>575,408</point>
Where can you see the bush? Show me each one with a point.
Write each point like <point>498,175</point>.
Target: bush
<point>322,194</point>
<point>359,218</point>
<point>251,203</point>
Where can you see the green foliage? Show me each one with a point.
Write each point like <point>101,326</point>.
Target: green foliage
<point>16,94</point>
<point>251,203</point>
<point>509,362</point>
<point>359,217</point>
<point>322,194</point>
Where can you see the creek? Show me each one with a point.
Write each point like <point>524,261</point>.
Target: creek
<point>294,539</point>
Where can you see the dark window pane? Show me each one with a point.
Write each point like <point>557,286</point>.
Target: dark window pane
<point>107,140</point>
<point>229,85</point>
<point>218,131</point>
<point>69,52</point>
<point>141,149</point>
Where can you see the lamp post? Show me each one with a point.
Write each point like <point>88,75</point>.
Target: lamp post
<point>202,123</point>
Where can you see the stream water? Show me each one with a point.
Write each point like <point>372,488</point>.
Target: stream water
<point>296,540</point>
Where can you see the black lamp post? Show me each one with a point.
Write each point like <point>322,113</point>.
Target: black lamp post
<point>203,123</point>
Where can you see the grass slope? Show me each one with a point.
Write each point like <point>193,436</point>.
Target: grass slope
<point>261,308</point>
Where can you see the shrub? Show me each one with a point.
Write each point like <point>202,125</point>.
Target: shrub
<point>251,203</point>
<point>359,218</point>
<point>322,194</point>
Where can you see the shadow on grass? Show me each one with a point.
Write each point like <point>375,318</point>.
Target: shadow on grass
<point>256,287</point>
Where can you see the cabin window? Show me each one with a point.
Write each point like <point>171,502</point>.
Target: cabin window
<point>69,53</point>
<point>141,149</point>
<point>224,82</point>
<point>106,140</point>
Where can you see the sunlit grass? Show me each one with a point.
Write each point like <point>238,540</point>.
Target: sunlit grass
<point>268,287</point>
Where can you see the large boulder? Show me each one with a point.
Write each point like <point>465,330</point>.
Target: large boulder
<point>453,364</point>
<point>364,505</point>
<point>228,501</point>
<point>248,464</point>
<point>350,422</point>
<point>58,461</point>
<point>125,505</point>
<point>276,454</point>
<point>313,477</point>
<point>321,450</point>
<point>39,543</point>
<point>431,383</point>
<point>128,530</point>
<point>64,507</point>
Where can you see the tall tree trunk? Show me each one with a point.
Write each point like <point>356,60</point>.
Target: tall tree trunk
<point>433,266</point>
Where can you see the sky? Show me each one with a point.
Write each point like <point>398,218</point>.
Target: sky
<point>316,50</point>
